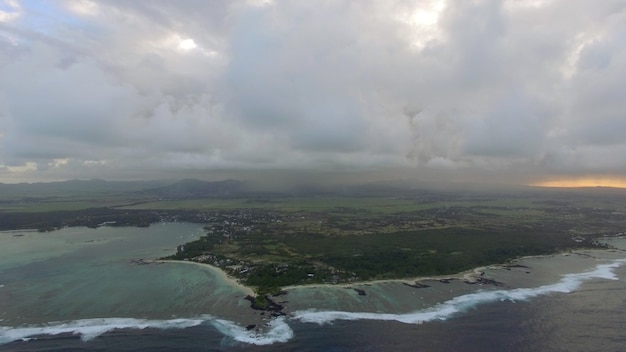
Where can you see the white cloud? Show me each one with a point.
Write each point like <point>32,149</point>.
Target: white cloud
<point>83,7</point>
<point>187,44</point>
<point>10,10</point>
<point>434,86</point>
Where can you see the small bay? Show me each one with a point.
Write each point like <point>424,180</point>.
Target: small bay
<point>80,273</point>
<point>100,286</point>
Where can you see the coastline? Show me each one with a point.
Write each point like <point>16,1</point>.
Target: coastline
<point>234,282</point>
<point>400,297</point>
<point>471,276</point>
<point>407,294</point>
<point>409,301</point>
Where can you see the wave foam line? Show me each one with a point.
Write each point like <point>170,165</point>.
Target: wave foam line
<point>88,329</point>
<point>91,328</point>
<point>278,331</point>
<point>447,309</point>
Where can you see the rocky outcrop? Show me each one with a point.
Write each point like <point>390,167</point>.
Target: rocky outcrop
<point>264,303</point>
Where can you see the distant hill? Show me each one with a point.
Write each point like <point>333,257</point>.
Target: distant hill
<point>194,188</point>
<point>73,187</point>
<point>191,188</point>
<point>164,189</point>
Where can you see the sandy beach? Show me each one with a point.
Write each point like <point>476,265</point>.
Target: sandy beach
<point>222,274</point>
<point>200,293</point>
<point>399,296</point>
<point>409,294</point>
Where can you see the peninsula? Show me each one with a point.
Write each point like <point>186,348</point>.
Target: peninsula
<point>268,241</point>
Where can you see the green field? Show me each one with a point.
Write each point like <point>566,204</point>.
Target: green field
<point>270,240</point>
<point>341,239</point>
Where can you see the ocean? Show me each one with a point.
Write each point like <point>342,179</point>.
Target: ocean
<point>81,289</point>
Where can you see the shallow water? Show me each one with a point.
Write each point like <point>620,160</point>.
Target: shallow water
<point>90,273</point>
<point>78,289</point>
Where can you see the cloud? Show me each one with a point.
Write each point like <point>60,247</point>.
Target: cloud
<point>439,88</point>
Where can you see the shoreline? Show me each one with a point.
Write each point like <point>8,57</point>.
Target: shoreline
<point>406,295</point>
<point>234,282</point>
<point>470,276</point>
<point>388,299</point>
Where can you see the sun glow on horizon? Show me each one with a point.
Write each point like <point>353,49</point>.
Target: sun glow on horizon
<point>584,182</point>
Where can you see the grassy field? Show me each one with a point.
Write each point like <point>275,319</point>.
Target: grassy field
<point>290,204</point>
<point>272,240</point>
<point>341,239</point>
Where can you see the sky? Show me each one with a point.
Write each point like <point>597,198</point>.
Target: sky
<point>492,91</point>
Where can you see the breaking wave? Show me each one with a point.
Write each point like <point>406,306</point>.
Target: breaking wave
<point>278,331</point>
<point>91,328</point>
<point>460,304</point>
<point>88,329</point>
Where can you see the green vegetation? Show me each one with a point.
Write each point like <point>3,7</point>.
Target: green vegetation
<point>376,238</point>
<point>271,241</point>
